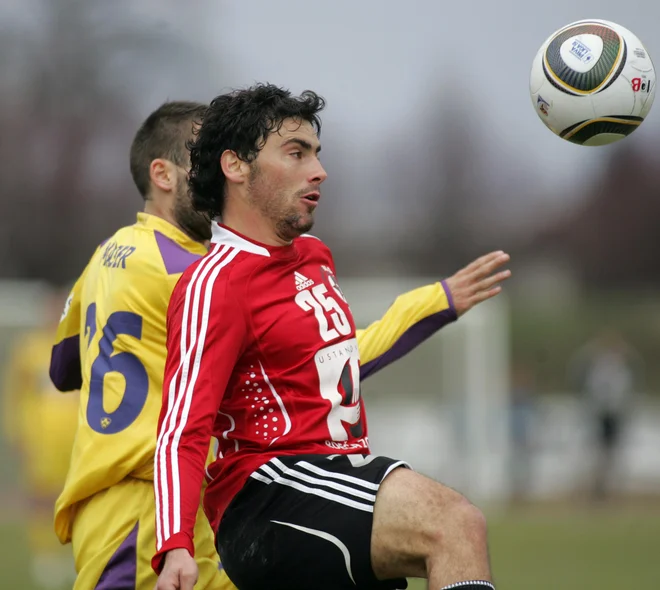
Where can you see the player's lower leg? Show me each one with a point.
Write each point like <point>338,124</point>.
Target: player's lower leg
<point>459,552</point>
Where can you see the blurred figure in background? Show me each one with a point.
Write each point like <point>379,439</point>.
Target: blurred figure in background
<point>40,425</point>
<point>608,373</point>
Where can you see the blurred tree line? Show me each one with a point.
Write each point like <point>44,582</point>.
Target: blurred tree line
<point>68,120</point>
<point>68,114</point>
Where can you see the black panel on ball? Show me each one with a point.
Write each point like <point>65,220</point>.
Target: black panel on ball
<point>585,130</point>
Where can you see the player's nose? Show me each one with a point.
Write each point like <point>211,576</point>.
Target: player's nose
<point>317,174</point>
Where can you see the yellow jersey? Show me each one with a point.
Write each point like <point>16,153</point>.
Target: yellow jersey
<point>111,345</point>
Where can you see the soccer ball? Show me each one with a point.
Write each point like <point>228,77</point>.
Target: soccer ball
<point>592,82</point>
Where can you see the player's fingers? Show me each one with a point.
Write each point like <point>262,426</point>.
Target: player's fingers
<point>485,266</point>
<point>187,580</point>
<point>475,280</point>
<point>482,260</point>
<point>491,280</point>
<point>483,295</point>
<point>166,583</point>
<point>490,265</point>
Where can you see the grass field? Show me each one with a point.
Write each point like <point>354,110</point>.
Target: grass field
<point>551,548</point>
<point>534,548</point>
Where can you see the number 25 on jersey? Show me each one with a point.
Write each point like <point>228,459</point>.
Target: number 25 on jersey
<point>317,299</point>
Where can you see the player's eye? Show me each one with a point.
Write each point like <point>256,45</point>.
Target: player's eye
<point>297,154</point>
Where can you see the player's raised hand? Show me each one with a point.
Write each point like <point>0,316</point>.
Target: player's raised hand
<point>478,281</point>
<point>179,572</point>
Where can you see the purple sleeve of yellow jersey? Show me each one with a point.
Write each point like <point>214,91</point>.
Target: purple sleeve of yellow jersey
<point>65,371</point>
<point>412,318</point>
<point>65,368</point>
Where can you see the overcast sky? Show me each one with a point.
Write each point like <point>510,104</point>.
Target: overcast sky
<point>384,66</point>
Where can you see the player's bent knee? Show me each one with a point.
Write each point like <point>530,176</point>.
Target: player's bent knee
<point>451,521</point>
<point>426,512</point>
<point>416,518</point>
<point>465,521</point>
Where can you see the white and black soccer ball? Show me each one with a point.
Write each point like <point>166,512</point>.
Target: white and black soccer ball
<point>592,82</point>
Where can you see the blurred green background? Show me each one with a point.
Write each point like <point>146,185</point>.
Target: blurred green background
<point>573,548</point>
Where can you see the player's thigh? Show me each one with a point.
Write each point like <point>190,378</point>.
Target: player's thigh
<point>211,575</point>
<point>414,518</point>
<point>113,538</point>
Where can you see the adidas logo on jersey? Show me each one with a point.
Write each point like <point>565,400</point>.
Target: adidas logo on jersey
<point>302,282</point>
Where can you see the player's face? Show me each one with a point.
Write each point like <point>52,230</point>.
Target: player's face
<point>286,177</point>
<point>197,225</point>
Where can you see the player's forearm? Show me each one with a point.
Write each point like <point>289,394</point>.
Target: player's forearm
<point>179,473</point>
<point>65,372</point>
<point>412,318</point>
<point>178,541</point>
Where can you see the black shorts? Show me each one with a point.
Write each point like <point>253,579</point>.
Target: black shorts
<point>304,522</point>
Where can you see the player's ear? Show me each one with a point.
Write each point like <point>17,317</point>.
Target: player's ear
<point>163,174</point>
<point>234,169</point>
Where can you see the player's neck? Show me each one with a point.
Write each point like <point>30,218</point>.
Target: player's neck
<point>151,207</point>
<point>251,224</point>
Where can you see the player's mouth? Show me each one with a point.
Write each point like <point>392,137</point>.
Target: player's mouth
<point>312,198</point>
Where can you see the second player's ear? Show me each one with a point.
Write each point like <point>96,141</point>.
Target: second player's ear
<point>233,168</point>
<point>163,174</point>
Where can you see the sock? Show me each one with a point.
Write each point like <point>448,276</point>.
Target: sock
<point>471,585</point>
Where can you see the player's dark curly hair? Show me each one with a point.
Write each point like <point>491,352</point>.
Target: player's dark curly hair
<point>241,121</point>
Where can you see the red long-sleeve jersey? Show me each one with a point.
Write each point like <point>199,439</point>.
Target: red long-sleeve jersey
<point>262,355</point>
